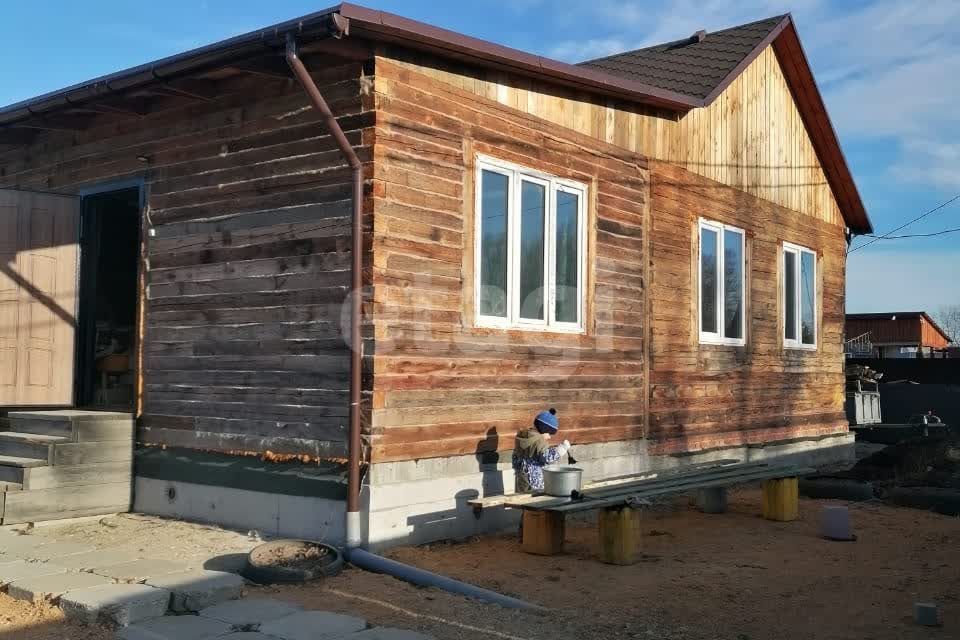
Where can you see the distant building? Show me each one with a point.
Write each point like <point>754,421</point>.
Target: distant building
<point>910,334</point>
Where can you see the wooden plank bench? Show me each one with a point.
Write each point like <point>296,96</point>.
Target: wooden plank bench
<point>544,516</point>
<point>517,500</point>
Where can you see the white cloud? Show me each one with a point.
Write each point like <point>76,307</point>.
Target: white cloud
<point>576,50</point>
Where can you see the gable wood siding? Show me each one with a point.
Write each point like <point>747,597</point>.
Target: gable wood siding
<point>751,137</point>
<point>707,396</point>
<point>441,386</point>
<point>250,201</point>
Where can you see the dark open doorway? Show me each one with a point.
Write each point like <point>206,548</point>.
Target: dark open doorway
<point>107,320</point>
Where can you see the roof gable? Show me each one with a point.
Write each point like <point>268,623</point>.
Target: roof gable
<point>705,64</point>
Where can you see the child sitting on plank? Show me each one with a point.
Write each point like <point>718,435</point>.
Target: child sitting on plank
<point>532,452</point>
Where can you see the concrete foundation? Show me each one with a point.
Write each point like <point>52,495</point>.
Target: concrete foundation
<point>272,514</point>
<point>420,501</point>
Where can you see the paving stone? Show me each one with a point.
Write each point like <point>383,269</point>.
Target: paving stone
<point>175,628</point>
<point>250,611</point>
<point>198,589</point>
<point>21,569</point>
<point>119,604</point>
<point>139,570</point>
<point>94,559</point>
<point>16,545</point>
<point>386,633</point>
<point>313,625</point>
<point>53,586</point>
<point>56,550</point>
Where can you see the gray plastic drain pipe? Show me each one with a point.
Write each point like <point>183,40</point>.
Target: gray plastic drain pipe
<point>379,564</point>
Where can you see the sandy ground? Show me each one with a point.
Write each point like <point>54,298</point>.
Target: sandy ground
<point>24,621</point>
<point>733,576</point>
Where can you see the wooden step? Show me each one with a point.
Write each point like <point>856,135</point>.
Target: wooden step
<point>13,468</point>
<point>29,445</point>
<point>21,462</point>
<point>66,502</point>
<point>76,424</point>
<point>77,475</point>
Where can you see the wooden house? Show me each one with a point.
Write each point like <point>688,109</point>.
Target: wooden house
<point>652,243</point>
<point>900,334</point>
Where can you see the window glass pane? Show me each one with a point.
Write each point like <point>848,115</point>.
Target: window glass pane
<point>493,244</point>
<point>808,305</point>
<point>732,284</point>
<point>708,280</point>
<point>533,209</point>
<point>567,276</point>
<point>790,295</point>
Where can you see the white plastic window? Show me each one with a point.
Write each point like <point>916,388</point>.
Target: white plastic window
<point>799,297</point>
<point>722,282</point>
<point>530,248</point>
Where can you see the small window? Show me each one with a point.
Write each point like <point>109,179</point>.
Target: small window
<point>722,284</point>
<point>530,248</point>
<point>799,297</point>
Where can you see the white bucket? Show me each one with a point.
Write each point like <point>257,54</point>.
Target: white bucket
<point>835,523</point>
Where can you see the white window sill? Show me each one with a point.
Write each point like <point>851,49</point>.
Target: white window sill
<point>800,347</point>
<point>722,342</point>
<point>484,323</point>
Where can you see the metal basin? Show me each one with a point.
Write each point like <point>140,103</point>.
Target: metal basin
<point>561,480</point>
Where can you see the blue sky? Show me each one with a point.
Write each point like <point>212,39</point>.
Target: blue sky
<point>889,71</point>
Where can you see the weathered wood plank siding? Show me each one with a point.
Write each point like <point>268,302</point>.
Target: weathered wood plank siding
<point>709,396</point>
<point>248,266</point>
<point>751,137</point>
<point>442,386</point>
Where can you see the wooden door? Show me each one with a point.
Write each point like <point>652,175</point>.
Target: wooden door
<point>38,297</point>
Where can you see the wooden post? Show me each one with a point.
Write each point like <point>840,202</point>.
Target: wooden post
<point>543,532</point>
<point>619,532</point>
<point>713,500</point>
<point>781,499</point>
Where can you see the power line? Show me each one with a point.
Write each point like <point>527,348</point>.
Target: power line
<point>915,235</point>
<point>886,236</point>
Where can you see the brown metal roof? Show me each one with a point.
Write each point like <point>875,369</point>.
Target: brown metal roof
<point>695,66</point>
<point>892,327</point>
<point>675,76</point>
<point>704,64</point>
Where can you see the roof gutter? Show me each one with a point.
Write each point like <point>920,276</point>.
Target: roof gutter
<point>377,25</point>
<point>269,39</point>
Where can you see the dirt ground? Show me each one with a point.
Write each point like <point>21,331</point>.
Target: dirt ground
<point>733,576</point>
<point>21,620</point>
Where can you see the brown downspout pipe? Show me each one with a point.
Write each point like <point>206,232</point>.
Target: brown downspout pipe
<point>356,282</point>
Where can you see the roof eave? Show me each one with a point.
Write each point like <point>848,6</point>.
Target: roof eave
<point>389,27</point>
<point>209,55</point>
<point>813,110</point>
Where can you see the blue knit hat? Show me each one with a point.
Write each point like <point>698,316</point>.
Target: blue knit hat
<point>546,421</point>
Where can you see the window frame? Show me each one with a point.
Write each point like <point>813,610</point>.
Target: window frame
<point>516,175</point>
<point>798,251</point>
<point>717,338</point>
